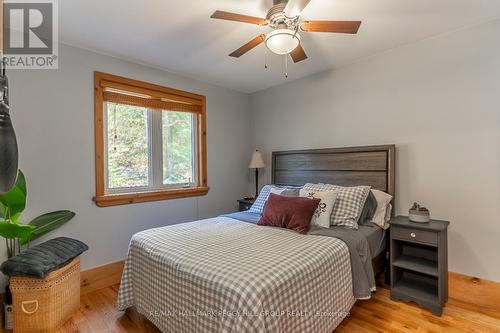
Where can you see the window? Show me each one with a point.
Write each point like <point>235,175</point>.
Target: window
<point>150,142</point>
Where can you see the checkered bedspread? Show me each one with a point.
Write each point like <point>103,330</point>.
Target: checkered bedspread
<point>224,275</point>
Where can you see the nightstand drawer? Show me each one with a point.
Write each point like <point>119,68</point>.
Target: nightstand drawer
<point>415,235</point>
<point>244,206</point>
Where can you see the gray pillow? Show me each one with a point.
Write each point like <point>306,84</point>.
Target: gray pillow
<point>369,209</point>
<point>260,202</point>
<point>291,192</point>
<point>41,259</point>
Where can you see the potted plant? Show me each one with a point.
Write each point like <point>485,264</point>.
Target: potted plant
<point>19,235</point>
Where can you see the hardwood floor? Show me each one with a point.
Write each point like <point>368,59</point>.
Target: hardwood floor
<point>97,314</point>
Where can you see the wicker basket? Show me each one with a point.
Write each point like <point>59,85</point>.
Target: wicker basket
<point>44,305</point>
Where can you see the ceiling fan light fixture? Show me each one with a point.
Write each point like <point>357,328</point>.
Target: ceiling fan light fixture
<point>282,41</point>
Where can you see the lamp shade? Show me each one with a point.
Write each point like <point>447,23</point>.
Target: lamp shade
<point>282,41</point>
<point>257,161</point>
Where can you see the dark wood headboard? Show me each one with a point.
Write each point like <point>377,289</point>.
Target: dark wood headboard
<point>351,166</point>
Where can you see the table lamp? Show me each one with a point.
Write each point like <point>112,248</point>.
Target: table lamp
<point>257,163</point>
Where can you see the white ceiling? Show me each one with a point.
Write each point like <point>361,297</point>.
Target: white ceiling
<point>179,36</point>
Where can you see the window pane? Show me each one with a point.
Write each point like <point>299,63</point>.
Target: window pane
<point>128,154</point>
<point>177,137</point>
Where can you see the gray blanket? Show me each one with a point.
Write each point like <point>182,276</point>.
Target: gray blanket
<point>363,277</point>
<point>41,259</point>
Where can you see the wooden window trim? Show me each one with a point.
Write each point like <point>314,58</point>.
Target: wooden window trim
<point>161,96</point>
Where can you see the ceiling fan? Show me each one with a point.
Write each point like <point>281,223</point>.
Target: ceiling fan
<point>284,18</point>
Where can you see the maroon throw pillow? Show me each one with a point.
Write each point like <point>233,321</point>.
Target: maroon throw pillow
<point>293,213</point>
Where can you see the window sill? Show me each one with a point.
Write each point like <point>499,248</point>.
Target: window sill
<point>138,197</point>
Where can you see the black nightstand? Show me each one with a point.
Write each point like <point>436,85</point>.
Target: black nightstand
<point>245,204</point>
<point>419,262</point>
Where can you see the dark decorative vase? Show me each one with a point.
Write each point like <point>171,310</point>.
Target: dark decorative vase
<point>8,142</point>
<point>8,151</point>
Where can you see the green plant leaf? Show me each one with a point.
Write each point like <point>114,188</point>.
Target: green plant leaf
<point>15,199</point>
<point>15,230</point>
<point>46,223</point>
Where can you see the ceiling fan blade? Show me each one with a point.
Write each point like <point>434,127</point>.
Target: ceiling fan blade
<point>221,15</point>
<point>298,54</point>
<point>295,7</point>
<point>248,46</point>
<point>346,27</point>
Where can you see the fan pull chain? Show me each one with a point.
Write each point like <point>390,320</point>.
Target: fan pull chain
<point>265,57</point>
<point>286,66</point>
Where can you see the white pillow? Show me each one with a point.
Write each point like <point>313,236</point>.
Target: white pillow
<point>277,191</point>
<point>382,214</point>
<point>388,216</point>
<point>321,217</point>
<point>349,204</point>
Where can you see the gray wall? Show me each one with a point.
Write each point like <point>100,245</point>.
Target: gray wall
<point>438,100</point>
<point>53,114</point>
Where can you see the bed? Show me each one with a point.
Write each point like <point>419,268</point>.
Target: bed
<point>350,166</point>
<point>226,274</point>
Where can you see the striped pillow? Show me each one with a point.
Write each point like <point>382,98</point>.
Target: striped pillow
<point>260,202</point>
<point>349,203</point>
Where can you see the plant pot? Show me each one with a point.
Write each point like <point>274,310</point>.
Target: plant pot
<point>419,216</point>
